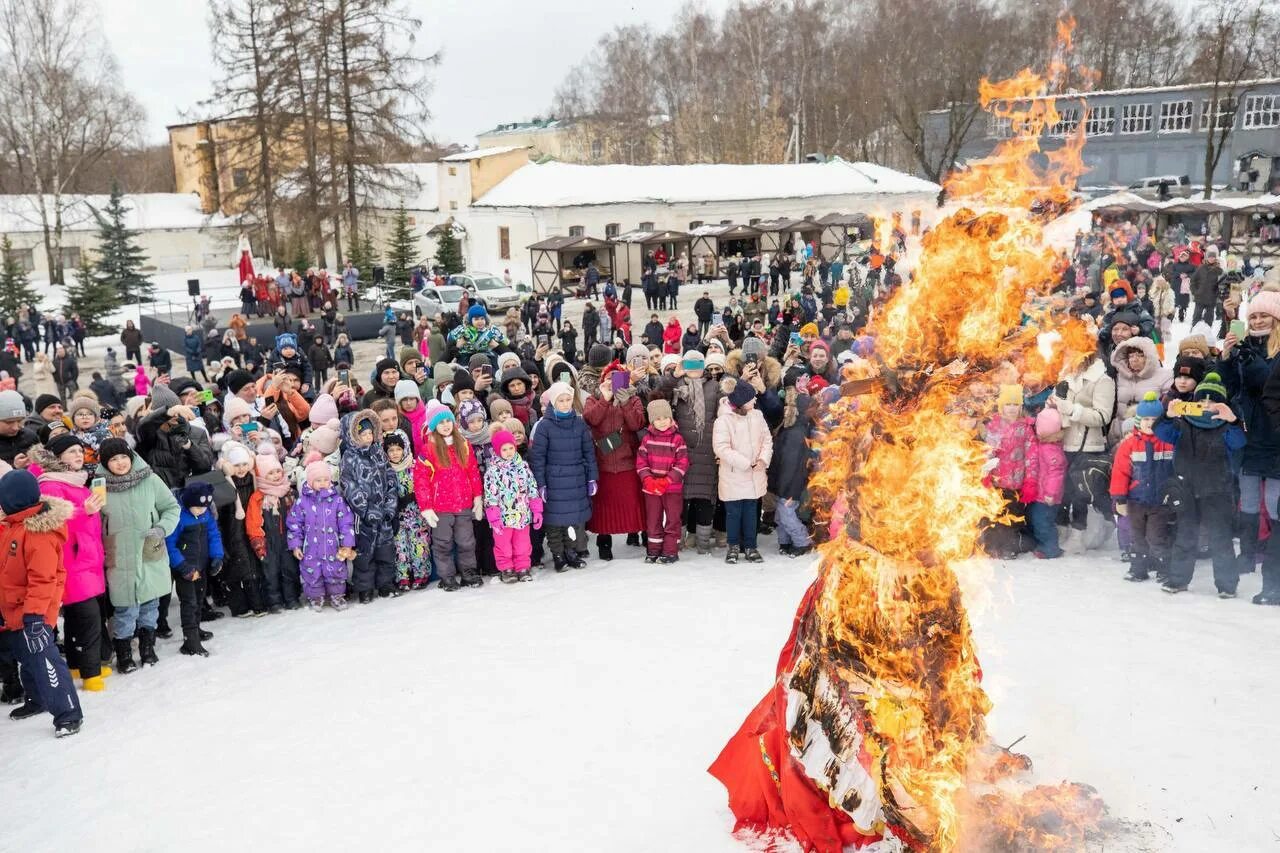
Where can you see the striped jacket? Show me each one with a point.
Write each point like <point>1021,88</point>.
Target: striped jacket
<point>1143,465</point>
<point>663,454</point>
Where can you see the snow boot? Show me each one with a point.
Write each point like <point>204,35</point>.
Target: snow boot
<point>574,560</point>
<point>633,539</point>
<point>702,539</point>
<point>668,559</point>
<point>124,657</point>
<point>275,610</point>
<point>507,577</point>
<point>1270,593</point>
<point>605,543</point>
<point>650,559</point>
<point>147,648</point>
<point>205,635</point>
<point>800,550</point>
<point>208,614</point>
<point>731,556</point>
<point>689,542</point>
<point>339,602</point>
<point>473,581</point>
<point>191,643</point>
<point>560,565</point>
<point>722,539</point>
<point>164,632</point>
<point>315,605</point>
<point>753,555</point>
<point>1173,588</point>
<point>67,729</point>
<point>524,575</point>
<point>11,693</point>
<point>1269,599</point>
<point>95,685</point>
<point>103,672</point>
<point>450,585</point>
<point>29,708</point>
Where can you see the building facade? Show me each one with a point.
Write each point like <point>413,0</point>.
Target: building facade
<point>1131,134</point>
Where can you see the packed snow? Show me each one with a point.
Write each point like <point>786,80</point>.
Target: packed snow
<point>580,712</point>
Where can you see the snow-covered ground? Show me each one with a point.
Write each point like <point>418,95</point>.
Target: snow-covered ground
<point>579,712</point>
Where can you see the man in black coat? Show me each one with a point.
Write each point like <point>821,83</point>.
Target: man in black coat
<point>703,309</point>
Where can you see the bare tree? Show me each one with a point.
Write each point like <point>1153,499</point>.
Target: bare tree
<point>62,107</point>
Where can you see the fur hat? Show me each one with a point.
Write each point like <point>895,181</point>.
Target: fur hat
<point>196,494</point>
<point>19,490</point>
<point>316,471</point>
<point>1265,302</point>
<point>502,438</point>
<point>659,409</point>
<point>407,389</point>
<point>1010,395</point>
<point>598,355</point>
<point>741,395</point>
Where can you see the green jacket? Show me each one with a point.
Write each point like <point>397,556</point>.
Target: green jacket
<point>125,521</point>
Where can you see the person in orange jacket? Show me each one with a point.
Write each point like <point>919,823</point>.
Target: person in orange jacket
<point>32,576</point>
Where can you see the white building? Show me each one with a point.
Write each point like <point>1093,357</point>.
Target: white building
<point>537,201</point>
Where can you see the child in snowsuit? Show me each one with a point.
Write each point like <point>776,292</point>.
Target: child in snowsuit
<point>369,487</point>
<point>1012,468</point>
<point>1139,478</point>
<point>446,481</point>
<point>1206,450</point>
<point>512,506</point>
<point>265,525</point>
<point>413,536</point>
<point>322,536</point>
<point>32,535</point>
<point>661,463</point>
<point>563,458</point>
<point>789,474</point>
<point>195,552</point>
<point>1051,461</point>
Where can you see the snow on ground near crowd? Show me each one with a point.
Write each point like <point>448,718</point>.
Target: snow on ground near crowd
<point>580,712</point>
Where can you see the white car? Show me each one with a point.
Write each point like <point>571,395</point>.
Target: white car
<point>490,291</point>
<point>432,301</point>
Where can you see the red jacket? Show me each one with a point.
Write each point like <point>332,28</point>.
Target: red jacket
<point>446,488</point>
<point>671,336</point>
<point>623,415</point>
<point>663,454</point>
<point>32,576</point>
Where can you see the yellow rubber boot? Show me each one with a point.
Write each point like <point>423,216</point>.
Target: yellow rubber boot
<point>95,685</point>
<point>105,671</point>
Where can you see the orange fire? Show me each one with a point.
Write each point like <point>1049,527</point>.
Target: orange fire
<point>904,458</point>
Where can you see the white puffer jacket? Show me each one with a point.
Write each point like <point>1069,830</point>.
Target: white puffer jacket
<point>1091,395</point>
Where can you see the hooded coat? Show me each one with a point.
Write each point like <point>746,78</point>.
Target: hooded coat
<point>1091,395</point>
<point>32,574</point>
<point>563,459</point>
<point>789,467</point>
<point>368,483</point>
<point>136,503</point>
<point>1245,373</point>
<point>744,447</point>
<point>1130,386</point>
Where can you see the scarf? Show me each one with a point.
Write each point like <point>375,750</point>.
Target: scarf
<point>71,478</point>
<point>116,485</point>
<point>271,495</point>
<point>476,438</point>
<point>698,403</point>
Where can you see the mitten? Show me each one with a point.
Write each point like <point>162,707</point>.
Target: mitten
<point>187,571</point>
<point>431,518</point>
<point>477,509</point>
<point>591,488</point>
<point>494,514</point>
<point>259,545</point>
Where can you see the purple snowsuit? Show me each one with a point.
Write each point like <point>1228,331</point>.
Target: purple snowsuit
<point>320,523</point>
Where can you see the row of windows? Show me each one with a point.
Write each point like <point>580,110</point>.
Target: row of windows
<point>26,258</point>
<point>1260,111</point>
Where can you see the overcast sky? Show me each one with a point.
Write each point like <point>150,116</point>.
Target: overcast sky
<point>503,59</point>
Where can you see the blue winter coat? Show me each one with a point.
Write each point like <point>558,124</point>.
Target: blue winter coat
<point>194,543</point>
<point>193,349</point>
<point>563,459</point>
<point>368,483</point>
<point>1244,374</point>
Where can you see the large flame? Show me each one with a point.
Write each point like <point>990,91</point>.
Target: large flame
<point>906,461</point>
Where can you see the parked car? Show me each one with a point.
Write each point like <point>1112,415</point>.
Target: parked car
<point>432,301</point>
<point>489,290</point>
<point>1161,187</point>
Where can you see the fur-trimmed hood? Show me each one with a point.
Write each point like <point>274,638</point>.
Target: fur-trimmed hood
<point>770,368</point>
<point>349,427</point>
<point>1120,356</point>
<point>56,513</point>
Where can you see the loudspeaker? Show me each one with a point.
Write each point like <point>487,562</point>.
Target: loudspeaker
<point>379,275</point>
<point>193,287</point>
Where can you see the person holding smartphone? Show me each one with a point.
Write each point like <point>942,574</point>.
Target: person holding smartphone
<point>616,414</point>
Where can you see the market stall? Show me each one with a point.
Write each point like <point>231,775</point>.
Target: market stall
<point>726,240</point>
<point>779,234</point>
<point>633,247</point>
<point>562,261</point>
<point>842,230</point>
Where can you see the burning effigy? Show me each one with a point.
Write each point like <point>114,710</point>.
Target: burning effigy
<point>873,735</point>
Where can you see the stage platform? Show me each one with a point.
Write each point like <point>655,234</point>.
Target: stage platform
<point>165,323</point>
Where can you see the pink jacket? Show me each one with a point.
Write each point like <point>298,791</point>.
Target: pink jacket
<point>1014,445</point>
<point>418,421</point>
<point>1052,471</point>
<point>82,554</point>
<point>141,384</point>
<point>447,488</point>
<point>744,447</point>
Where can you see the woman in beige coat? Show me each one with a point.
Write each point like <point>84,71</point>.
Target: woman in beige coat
<point>743,446</point>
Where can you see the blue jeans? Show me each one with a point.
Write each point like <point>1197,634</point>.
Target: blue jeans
<point>1044,527</point>
<point>126,620</point>
<point>740,520</point>
<point>791,531</point>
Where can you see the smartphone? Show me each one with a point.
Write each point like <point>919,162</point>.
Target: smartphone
<point>544,340</point>
<point>1240,329</point>
<point>1185,409</point>
<point>205,396</point>
<point>251,426</point>
<point>619,379</point>
<point>344,376</point>
<point>486,370</point>
<point>796,340</point>
<point>99,487</point>
<point>752,358</point>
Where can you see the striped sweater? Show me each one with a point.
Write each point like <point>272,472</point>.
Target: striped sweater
<point>663,454</point>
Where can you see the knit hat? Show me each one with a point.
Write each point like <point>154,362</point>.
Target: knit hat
<point>507,360</point>
<point>395,438</point>
<point>265,461</point>
<point>184,384</point>
<point>237,379</point>
<point>477,361</point>
<point>463,381</point>
<point>11,406</point>
<point>1190,365</point>
<point>668,360</point>
<point>598,355</point>
<point>317,471</point>
<point>442,373</point>
<point>501,439</point>
<point>1010,395</point>
<point>741,394</point>
<point>61,443</point>
<point>384,364</point>
<point>809,330</point>
<point>635,352</point>
<point>196,494</point>
<point>659,409</point>
<point>112,447</point>
<point>693,360</point>
<point>470,409</point>
<point>1265,302</point>
<point>286,339</point>
<point>1199,342</point>
<point>1150,406</point>
<point>714,359</point>
<point>754,346</point>
<point>557,390</point>
<point>235,453</point>
<point>82,403</point>
<point>408,354</point>
<point>475,312</point>
<point>323,410</point>
<point>324,439</point>
<point>44,401</point>
<point>407,389</point>
<point>437,412</point>
<point>1211,388</point>
<point>1129,318</point>
<point>162,398</point>
<point>514,427</point>
<point>500,409</point>
<point>237,407</point>
<point>19,490</point>
<point>1048,422</point>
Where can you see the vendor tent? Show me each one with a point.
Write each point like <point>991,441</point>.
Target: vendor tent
<point>726,240</point>
<point>632,247</point>
<point>841,230</point>
<point>562,261</point>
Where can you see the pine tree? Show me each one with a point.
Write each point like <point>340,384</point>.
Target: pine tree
<point>299,259</point>
<point>448,251</point>
<point>120,258</point>
<point>15,289</point>
<point>93,299</point>
<point>364,256</point>
<point>402,254</point>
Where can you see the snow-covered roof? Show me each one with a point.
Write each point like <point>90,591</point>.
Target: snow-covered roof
<point>477,153</point>
<point>416,184</point>
<point>1197,203</point>
<point>144,212</point>
<point>557,184</point>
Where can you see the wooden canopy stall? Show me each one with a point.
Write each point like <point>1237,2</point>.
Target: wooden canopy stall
<point>562,261</point>
<point>842,230</point>
<point>777,234</point>
<point>726,240</point>
<point>632,248</point>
